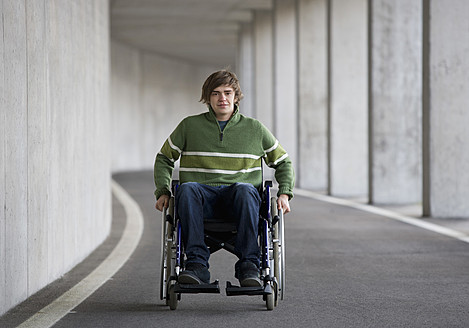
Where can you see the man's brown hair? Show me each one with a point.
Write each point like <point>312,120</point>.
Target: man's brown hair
<point>223,77</point>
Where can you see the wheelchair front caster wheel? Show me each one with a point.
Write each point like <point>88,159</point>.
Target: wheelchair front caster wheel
<point>270,301</point>
<point>275,292</point>
<point>173,298</point>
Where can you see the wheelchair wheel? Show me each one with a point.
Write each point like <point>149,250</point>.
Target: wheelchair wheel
<point>275,289</point>
<point>278,251</point>
<point>270,301</point>
<point>166,252</point>
<point>173,298</point>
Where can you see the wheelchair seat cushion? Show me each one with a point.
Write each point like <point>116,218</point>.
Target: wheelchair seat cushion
<point>220,226</point>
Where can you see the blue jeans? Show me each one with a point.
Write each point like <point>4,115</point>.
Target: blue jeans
<point>238,203</point>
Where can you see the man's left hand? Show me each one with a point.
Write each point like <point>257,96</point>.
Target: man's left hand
<point>283,203</point>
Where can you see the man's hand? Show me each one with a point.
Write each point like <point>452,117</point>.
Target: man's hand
<point>283,203</point>
<point>162,202</point>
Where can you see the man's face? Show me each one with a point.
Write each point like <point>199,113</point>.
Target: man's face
<point>222,100</point>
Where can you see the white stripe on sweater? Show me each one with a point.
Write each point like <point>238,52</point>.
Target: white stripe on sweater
<point>273,147</point>
<point>213,154</point>
<point>174,146</point>
<point>216,171</point>
<point>279,160</point>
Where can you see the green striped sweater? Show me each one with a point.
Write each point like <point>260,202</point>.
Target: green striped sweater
<point>212,157</point>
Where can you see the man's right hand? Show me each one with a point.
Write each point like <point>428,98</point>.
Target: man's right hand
<point>162,202</point>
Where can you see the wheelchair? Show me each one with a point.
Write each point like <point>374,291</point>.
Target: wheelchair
<point>271,244</point>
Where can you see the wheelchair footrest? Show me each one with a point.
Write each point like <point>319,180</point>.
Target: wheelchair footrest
<point>213,288</point>
<point>232,290</point>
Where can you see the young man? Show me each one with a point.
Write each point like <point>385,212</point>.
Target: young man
<point>221,154</point>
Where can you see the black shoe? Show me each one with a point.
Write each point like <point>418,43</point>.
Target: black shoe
<point>248,275</point>
<point>194,274</point>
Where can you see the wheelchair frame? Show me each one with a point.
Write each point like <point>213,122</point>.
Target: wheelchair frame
<point>272,246</point>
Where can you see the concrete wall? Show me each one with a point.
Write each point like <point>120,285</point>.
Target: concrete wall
<point>395,67</point>
<point>286,76</point>
<point>263,68</point>
<point>313,94</point>
<point>54,149</point>
<point>126,118</point>
<point>3,303</point>
<point>348,120</point>
<point>245,68</point>
<point>446,109</point>
<point>263,77</point>
<point>150,95</point>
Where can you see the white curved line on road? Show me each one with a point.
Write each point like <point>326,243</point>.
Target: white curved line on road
<point>386,213</point>
<point>59,308</point>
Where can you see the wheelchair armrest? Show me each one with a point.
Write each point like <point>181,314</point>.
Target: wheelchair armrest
<point>274,211</point>
<point>170,212</point>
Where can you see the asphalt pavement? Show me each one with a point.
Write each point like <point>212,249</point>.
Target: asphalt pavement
<point>344,268</point>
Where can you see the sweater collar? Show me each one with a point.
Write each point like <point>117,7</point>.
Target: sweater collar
<point>234,118</point>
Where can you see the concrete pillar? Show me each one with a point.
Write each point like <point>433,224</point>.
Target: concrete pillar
<point>58,57</point>
<point>2,168</point>
<point>245,68</point>
<point>348,112</point>
<point>15,143</point>
<point>395,49</point>
<point>39,128</point>
<point>446,108</point>
<point>286,77</point>
<point>313,94</point>
<point>263,73</point>
<point>263,68</point>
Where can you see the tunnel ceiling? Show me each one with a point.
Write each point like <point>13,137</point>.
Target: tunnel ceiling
<point>204,31</point>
